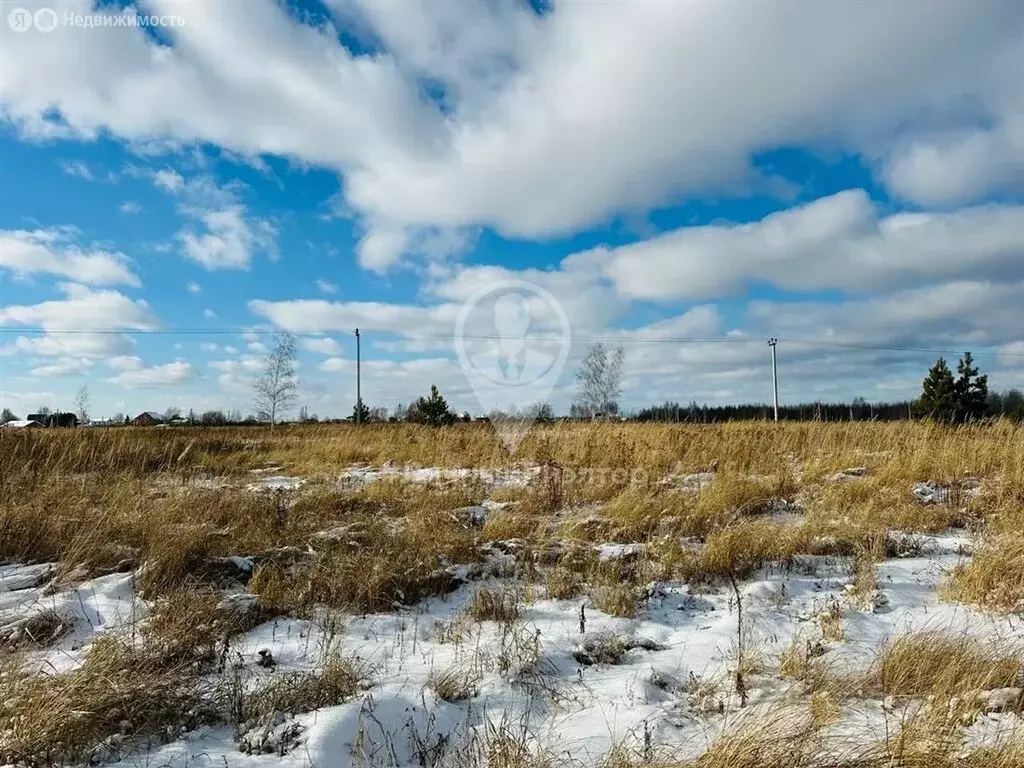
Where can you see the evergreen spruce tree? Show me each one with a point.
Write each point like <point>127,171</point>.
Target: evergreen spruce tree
<point>431,410</point>
<point>361,412</point>
<point>970,390</point>
<point>938,394</point>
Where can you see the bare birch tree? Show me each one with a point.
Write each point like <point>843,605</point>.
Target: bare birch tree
<point>599,380</point>
<point>276,387</point>
<point>82,405</point>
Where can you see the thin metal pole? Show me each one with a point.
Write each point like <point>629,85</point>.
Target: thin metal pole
<point>775,376</point>
<point>359,390</point>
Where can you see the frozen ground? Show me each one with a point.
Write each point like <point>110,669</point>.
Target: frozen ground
<point>670,684</point>
<point>362,475</point>
<point>527,673</point>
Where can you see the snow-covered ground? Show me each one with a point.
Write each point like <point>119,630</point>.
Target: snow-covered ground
<point>361,475</point>
<point>669,686</point>
<point>106,604</point>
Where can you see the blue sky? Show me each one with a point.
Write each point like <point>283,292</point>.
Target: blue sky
<point>847,178</point>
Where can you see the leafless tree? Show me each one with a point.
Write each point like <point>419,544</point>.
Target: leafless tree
<point>276,387</point>
<point>599,380</point>
<point>82,404</point>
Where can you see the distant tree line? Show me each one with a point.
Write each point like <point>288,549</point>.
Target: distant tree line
<point>944,397</point>
<point>856,410</point>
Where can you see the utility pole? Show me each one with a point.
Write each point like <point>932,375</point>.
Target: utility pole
<point>359,391</point>
<point>775,376</point>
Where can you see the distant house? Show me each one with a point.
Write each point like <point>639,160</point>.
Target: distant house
<point>56,419</point>
<point>149,419</point>
<point>22,424</point>
<point>102,423</point>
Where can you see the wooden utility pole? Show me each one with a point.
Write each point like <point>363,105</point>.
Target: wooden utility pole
<point>359,390</point>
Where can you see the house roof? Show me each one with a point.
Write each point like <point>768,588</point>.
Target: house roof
<point>152,415</point>
<point>21,423</point>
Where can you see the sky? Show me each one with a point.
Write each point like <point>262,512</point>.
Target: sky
<point>685,179</point>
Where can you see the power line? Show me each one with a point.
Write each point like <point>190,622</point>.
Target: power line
<point>637,339</point>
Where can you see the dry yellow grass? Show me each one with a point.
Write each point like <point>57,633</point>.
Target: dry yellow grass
<point>494,605</point>
<point>135,489</point>
<point>120,692</point>
<point>937,663</point>
<point>923,450</point>
<point>173,504</point>
<point>736,551</point>
<point>994,579</point>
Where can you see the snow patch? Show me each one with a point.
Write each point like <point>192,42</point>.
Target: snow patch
<point>277,483</point>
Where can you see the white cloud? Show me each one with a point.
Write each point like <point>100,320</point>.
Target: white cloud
<point>209,314</point>
<point>332,364</point>
<point>966,312</point>
<point>83,308</point>
<point>231,237</point>
<point>82,171</point>
<point>229,241</point>
<point>50,251</point>
<point>23,403</point>
<point>81,324</point>
<point>168,374</point>
<point>322,346</point>
<point>169,180</point>
<point>326,287</point>
<point>79,169</point>
<point>247,364</point>
<point>839,242</point>
<point>208,346</point>
<point>83,344</point>
<point>130,208</point>
<point>193,287</point>
<point>319,316</point>
<point>1012,353</point>
<point>63,367</point>
<point>955,169</point>
<point>126,363</point>
<point>701,322</point>
<point>238,376</point>
<point>965,159</point>
<point>526,101</point>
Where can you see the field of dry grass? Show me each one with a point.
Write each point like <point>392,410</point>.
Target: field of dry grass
<point>222,538</point>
